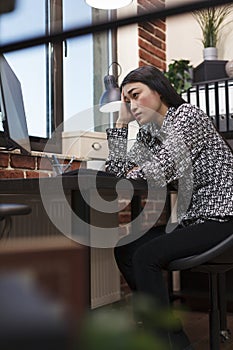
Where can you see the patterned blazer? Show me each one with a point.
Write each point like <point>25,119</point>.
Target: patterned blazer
<point>186,150</point>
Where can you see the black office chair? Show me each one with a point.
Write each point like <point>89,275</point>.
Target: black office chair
<point>7,210</point>
<point>216,262</point>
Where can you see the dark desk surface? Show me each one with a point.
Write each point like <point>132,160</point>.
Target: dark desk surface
<point>70,182</point>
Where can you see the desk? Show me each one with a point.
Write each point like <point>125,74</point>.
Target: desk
<point>38,224</point>
<point>64,193</point>
<point>28,191</point>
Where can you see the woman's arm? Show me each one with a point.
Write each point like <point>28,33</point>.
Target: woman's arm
<point>119,161</point>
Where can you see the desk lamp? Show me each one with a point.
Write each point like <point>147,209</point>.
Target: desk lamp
<point>111,97</point>
<point>108,4</point>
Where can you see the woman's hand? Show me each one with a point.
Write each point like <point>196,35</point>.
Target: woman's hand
<point>133,169</point>
<point>135,173</point>
<point>125,115</point>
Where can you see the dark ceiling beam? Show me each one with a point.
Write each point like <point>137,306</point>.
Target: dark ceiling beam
<point>145,17</point>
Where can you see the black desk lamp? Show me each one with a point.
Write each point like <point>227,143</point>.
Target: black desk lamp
<point>111,97</point>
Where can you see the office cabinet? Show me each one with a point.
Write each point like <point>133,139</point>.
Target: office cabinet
<point>210,70</point>
<point>215,98</point>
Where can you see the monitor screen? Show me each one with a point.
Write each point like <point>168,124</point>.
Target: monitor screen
<point>12,109</point>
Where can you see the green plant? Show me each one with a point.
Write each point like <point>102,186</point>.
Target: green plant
<point>179,75</point>
<point>111,328</point>
<point>211,21</point>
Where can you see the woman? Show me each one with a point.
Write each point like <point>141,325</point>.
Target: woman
<point>174,139</point>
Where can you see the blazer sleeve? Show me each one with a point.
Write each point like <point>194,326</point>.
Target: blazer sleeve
<point>120,161</point>
<point>164,160</point>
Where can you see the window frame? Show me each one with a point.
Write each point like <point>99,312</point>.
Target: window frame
<point>55,51</point>
<point>54,84</point>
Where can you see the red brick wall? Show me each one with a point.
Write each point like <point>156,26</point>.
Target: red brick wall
<point>152,36</point>
<point>21,166</point>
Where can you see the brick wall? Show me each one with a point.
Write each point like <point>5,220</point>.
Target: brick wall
<point>152,36</point>
<point>13,165</point>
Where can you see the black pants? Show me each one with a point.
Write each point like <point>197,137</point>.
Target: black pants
<point>141,262</point>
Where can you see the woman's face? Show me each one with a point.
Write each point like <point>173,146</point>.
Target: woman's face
<point>145,104</point>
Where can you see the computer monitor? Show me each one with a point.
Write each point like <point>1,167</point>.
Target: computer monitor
<point>12,109</point>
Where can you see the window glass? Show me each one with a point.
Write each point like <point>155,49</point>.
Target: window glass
<point>29,65</point>
<point>85,62</point>
<point>78,67</point>
<point>24,22</point>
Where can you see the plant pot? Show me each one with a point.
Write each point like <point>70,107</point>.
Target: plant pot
<point>210,53</point>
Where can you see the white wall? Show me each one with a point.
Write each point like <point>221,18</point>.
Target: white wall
<point>184,38</point>
<point>127,41</point>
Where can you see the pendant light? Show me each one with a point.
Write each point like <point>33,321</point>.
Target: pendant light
<point>108,4</point>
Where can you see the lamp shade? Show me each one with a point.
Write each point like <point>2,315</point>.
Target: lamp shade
<point>108,4</point>
<point>111,98</point>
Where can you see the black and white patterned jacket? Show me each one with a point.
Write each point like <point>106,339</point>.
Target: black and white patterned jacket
<point>187,147</point>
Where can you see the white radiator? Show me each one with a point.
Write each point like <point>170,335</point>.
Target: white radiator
<point>105,277</point>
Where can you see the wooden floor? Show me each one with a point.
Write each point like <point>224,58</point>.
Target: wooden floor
<point>196,326</point>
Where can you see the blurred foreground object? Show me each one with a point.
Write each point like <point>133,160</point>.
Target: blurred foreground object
<point>7,6</point>
<point>28,319</point>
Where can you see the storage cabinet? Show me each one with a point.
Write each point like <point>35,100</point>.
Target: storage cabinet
<point>215,98</point>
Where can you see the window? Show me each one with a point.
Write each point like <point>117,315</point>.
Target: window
<point>13,27</point>
<point>78,61</point>
<point>60,80</point>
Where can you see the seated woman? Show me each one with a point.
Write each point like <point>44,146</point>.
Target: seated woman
<point>175,139</point>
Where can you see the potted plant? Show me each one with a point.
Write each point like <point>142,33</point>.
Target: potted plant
<point>179,74</point>
<point>211,21</point>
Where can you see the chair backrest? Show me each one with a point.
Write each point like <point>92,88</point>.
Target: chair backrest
<point>221,253</point>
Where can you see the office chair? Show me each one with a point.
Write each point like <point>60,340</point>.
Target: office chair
<point>7,210</point>
<point>216,262</point>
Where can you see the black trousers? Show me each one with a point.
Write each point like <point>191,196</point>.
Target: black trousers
<point>141,262</point>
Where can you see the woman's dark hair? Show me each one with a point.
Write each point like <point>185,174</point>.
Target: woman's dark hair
<point>155,80</point>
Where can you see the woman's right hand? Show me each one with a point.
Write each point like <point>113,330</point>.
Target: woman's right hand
<point>125,115</point>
